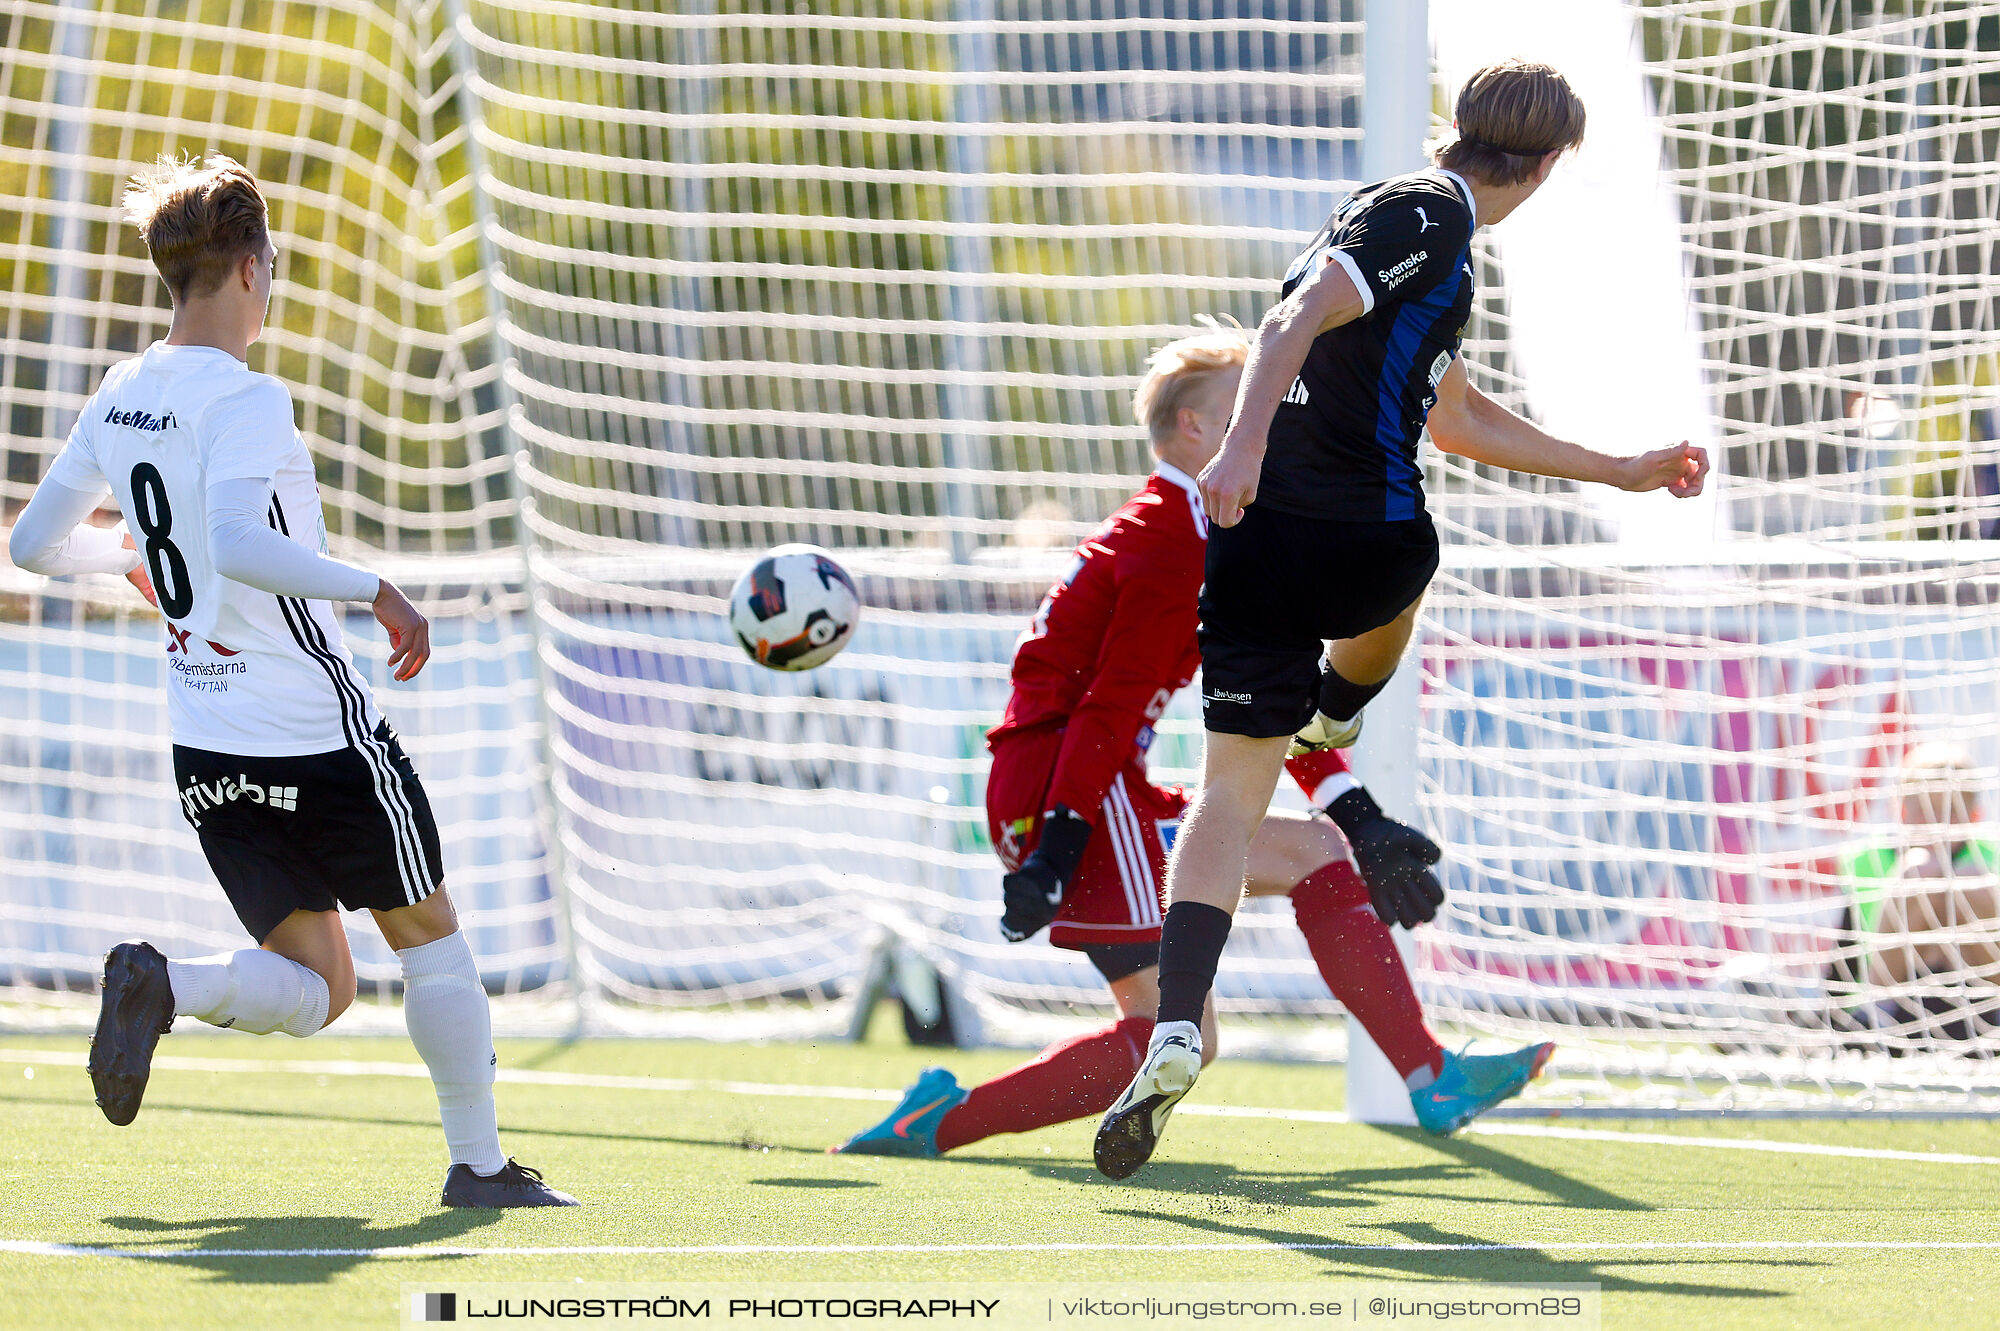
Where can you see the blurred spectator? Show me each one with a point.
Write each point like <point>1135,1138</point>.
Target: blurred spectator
<point>1923,914</point>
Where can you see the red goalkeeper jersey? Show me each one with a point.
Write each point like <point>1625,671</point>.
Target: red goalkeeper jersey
<point>1114,640</point>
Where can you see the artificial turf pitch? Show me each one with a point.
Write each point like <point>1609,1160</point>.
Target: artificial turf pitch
<point>318,1156</point>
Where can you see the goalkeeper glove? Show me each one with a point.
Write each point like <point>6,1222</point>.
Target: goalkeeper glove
<point>1394,860</point>
<point>1033,893</point>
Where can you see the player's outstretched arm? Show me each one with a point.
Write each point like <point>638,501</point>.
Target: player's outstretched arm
<point>1325,298</point>
<point>1472,425</point>
<point>245,548</point>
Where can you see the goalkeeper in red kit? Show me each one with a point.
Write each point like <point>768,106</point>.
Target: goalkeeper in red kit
<point>1084,833</point>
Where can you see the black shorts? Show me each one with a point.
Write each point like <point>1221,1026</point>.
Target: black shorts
<point>1115,961</point>
<point>351,827</point>
<point>1277,588</point>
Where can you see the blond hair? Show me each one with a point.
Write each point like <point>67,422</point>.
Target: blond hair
<point>198,220</point>
<point>1508,117</point>
<point>1181,369</point>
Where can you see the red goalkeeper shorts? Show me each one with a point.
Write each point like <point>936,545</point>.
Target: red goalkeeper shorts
<point>1116,893</point>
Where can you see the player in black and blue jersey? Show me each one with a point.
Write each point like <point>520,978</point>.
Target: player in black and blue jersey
<point>1320,546</point>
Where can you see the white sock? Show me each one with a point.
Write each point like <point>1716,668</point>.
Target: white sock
<point>1421,1079</point>
<point>445,1009</point>
<point>252,990</point>
<point>1185,1029</point>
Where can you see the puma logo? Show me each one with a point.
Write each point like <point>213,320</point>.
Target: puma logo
<point>1425,218</point>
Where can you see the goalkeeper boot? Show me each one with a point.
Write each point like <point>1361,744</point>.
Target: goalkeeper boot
<point>137,1009</point>
<point>514,1185</point>
<point>911,1127</point>
<point>1471,1084</point>
<point>1132,1127</point>
<point>1323,732</point>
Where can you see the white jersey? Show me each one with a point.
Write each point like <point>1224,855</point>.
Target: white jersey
<point>249,672</point>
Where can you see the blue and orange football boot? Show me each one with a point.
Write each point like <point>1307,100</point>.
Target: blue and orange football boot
<point>1471,1084</point>
<point>911,1127</point>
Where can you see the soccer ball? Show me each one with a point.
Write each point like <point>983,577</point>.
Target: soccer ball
<point>794,609</point>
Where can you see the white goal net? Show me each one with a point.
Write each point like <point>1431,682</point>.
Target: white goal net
<point>586,304</point>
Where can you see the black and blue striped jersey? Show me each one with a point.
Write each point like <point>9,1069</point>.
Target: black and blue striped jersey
<point>1343,443</point>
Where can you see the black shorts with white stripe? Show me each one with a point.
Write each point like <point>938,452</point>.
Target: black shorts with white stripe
<point>312,831</point>
<point>416,859</point>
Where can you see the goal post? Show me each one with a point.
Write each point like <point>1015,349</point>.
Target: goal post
<point>574,339</point>
<point>1396,120</point>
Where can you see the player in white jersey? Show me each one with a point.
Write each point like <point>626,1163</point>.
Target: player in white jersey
<point>301,794</point>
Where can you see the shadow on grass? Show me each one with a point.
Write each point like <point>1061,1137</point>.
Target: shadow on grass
<point>1218,1202</point>
<point>1227,1189</point>
<point>1555,1186</point>
<point>1452,1179</point>
<point>346,1242</point>
<point>1482,1262</point>
<point>1222,1202</point>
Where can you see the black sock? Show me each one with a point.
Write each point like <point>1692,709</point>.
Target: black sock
<point>1191,939</point>
<point>1342,699</point>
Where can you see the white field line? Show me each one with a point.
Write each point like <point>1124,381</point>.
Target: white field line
<point>33,1248</point>
<point>770,1090</point>
<point>527,1076</point>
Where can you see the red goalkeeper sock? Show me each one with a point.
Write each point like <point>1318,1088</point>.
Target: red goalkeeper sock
<point>1079,1077</point>
<point>1359,962</point>
<point>1314,770</point>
